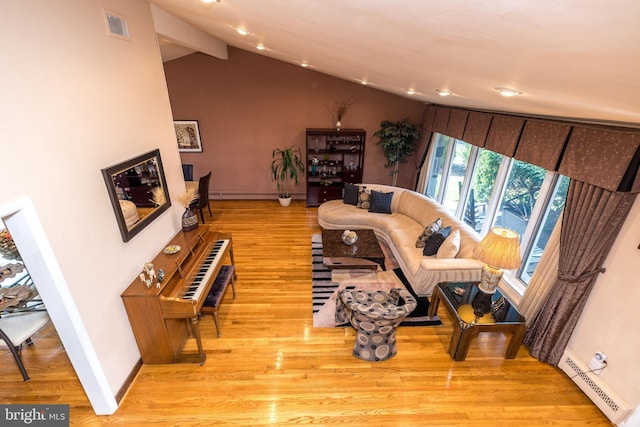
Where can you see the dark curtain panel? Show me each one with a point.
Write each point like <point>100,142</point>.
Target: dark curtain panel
<point>592,219</point>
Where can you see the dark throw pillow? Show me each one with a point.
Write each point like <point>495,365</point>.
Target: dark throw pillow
<point>351,193</point>
<point>380,202</point>
<point>428,231</point>
<point>433,244</point>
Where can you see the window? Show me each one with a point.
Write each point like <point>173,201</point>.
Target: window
<point>551,215</point>
<point>436,166</point>
<point>486,189</point>
<point>455,179</point>
<point>484,179</point>
<point>519,196</point>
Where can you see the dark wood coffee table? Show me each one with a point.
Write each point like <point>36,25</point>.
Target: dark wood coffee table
<point>366,253</point>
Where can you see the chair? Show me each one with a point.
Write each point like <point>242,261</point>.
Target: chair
<point>17,328</point>
<point>375,315</point>
<point>187,171</point>
<point>203,196</point>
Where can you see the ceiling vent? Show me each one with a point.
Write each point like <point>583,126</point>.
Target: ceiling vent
<point>116,25</point>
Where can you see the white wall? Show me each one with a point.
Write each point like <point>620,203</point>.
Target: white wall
<point>610,322</point>
<point>75,100</point>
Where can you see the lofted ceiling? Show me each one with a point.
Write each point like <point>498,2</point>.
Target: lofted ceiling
<point>575,59</point>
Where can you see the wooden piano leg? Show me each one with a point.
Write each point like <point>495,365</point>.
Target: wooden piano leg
<point>201,357</point>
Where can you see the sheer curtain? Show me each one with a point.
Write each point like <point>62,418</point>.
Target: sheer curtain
<point>543,277</point>
<point>592,219</point>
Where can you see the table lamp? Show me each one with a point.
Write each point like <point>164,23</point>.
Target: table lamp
<point>500,249</point>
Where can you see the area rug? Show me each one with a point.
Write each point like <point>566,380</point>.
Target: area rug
<point>325,288</point>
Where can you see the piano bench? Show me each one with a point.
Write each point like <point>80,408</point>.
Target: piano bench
<point>211,303</point>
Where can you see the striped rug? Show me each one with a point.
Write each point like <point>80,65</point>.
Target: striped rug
<point>324,289</point>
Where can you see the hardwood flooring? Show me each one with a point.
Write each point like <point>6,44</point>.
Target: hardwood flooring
<point>271,367</point>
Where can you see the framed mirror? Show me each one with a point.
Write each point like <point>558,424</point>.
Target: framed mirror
<point>138,192</point>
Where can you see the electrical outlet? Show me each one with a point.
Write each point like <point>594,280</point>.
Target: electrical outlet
<point>598,363</point>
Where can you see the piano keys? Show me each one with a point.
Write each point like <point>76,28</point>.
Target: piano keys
<point>203,276</point>
<point>163,318</point>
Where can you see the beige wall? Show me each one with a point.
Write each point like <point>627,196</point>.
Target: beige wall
<point>609,322</point>
<point>249,104</point>
<point>74,101</point>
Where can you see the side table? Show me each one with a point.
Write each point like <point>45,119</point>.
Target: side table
<point>456,297</point>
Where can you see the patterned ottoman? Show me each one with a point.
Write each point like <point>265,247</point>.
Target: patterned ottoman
<point>375,316</point>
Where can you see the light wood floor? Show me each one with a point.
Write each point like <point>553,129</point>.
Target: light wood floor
<point>271,367</point>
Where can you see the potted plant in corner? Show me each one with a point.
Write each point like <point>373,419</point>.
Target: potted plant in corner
<point>285,166</point>
<point>398,142</point>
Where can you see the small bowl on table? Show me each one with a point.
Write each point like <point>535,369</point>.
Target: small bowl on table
<point>349,237</point>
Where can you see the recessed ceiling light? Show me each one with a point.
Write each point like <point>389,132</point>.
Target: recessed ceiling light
<point>304,64</point>
<point>508,92</point>
<point>241,31</point>
<point>444,92</point>
<point>210,1</point>
<point>261,47</point>
<point>363,82</point>
<point>411,91</point>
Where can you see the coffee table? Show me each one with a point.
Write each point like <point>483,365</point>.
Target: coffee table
<point>366,253</point>
<point>456,298</point>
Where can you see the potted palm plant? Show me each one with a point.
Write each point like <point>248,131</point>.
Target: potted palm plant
<point>285,166</point>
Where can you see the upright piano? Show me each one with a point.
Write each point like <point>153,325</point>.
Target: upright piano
<point>164,315</point>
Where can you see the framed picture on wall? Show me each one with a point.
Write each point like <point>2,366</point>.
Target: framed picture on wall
<point>188,136</point>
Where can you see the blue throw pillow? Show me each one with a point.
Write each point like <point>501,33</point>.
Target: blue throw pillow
<point>433,244</point>
<point>380,202</point>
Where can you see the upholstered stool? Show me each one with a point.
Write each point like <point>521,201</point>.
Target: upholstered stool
<point>375,315</point>
<point>213,300</point>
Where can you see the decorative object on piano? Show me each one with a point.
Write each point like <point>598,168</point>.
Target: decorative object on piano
<point>139,181</point>
<point>285,165</point>
<point>349,237</point>
<point>148,274</point>
<point>172,249</point>
<point>161,274</point>
<point>8,248</point>
<point>189,217</point>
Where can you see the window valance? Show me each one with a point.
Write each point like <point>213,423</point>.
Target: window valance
<point>605,156</point>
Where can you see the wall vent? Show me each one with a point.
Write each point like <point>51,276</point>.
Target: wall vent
<point>611,405</point>
<point>116,25</point>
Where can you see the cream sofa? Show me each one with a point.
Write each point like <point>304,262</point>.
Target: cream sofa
<point>411,213</point>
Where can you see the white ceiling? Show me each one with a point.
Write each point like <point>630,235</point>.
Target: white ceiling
<point>577,59</point>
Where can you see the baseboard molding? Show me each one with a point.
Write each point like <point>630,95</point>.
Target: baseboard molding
<point>613,406</point>
<point>219,195</point>
<point>127,382</point>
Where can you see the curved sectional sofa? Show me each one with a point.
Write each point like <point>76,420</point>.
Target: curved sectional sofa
<point>410,214</point>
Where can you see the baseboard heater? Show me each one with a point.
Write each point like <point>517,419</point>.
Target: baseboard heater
<point>615,408</point>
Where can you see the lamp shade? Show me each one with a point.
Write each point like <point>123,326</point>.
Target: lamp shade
<point>500,248</point>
